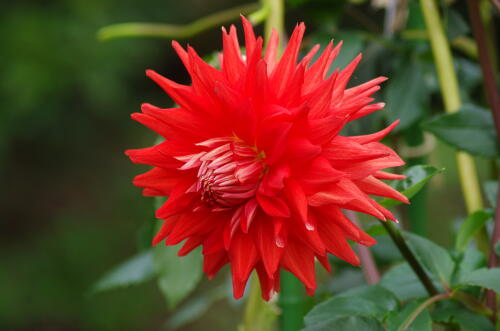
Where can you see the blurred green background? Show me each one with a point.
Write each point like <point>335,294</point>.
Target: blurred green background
<point>68,209</point>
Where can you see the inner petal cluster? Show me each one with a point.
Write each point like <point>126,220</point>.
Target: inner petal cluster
<point>229,172</point>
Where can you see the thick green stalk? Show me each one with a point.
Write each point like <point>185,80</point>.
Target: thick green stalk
<point>275,18</point>
<point>292,302</point>
<point>259,315</point>
<point>451,99</point>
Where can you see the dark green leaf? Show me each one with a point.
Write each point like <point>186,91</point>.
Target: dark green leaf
<point>177,276</point>
<point>402,281</point>
<point>136,270</point>
<point>416,177</point>
<point>373,300</point>
<point>405,99</point>
<point>470,227</point>
<point>497,248</point>
<point>470,260</point>
<point>470,129</point>
<point>385,250</point>
<point>452,312</point>
<point>382,297</point>
<point>491,190</point>
<point>456,26</point>
<point>432,256</point>
<point>145,235</point>
<point>347,323</point>
<point>396,319</point>
<point>487,278</point>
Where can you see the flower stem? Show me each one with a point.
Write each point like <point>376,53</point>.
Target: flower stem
<point>259,315</point>
<point>400,242</point>
<point>421,308</point>
<point>275,18</point>
<point>292,302</point>
<point>171,31</point>
<point>494,103</point>
<point>451,98</point>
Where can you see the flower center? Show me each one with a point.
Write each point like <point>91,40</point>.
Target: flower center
<point>228,172</point>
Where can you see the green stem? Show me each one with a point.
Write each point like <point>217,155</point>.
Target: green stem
<point>275,18</point>
<point>421,308</point>
<point>451,98</point>
<point>292,302</point>
<point>400,242</point>
<point>259,315</point>
<point>171,31</point>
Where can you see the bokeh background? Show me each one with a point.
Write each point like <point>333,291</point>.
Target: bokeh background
<point>68,210</point>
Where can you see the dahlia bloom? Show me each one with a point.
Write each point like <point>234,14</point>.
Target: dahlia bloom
<point>254,166</point>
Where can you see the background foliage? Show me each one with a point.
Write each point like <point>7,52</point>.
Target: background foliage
<point>70,213</point>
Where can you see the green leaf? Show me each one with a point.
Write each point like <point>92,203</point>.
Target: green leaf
<point>373,300</point>
<point>196,307</point>
<point>422,322</point>
<point>405,99</point>
<point>487,278</point>
<point>376,230</point>
<point>177,276</point>
<point>416,177</point>
<point>432,256</point>
<point>497,248</point>
<point>491,190</point>
<point>402,281</point>
<point>470,260</point>
<point>456,26</point>
<point>470,227</point>
<point>352,45</point>
<point>382,297</point>
<point>136,270</point>
<point>347,323</point>
<point>470,129</point>
<point>452,312</point>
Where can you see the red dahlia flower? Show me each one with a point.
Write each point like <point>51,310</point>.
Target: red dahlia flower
<point>254,166</point>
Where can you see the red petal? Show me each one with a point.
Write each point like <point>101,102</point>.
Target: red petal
<point>297,199</point>
<point>265,240</point>
<point>158,179</point>
<point>189,245</point>
<point>243,256</point>
<point>213,262</point>
<point>375,136</point>
<point>300,261</point>
<point>371,185</point>
<point>273,205</point>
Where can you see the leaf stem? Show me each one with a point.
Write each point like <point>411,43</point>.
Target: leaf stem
<point>421,308</point>
<point>171,31</point>
<point>400,242</point>
<point>451,98</point>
